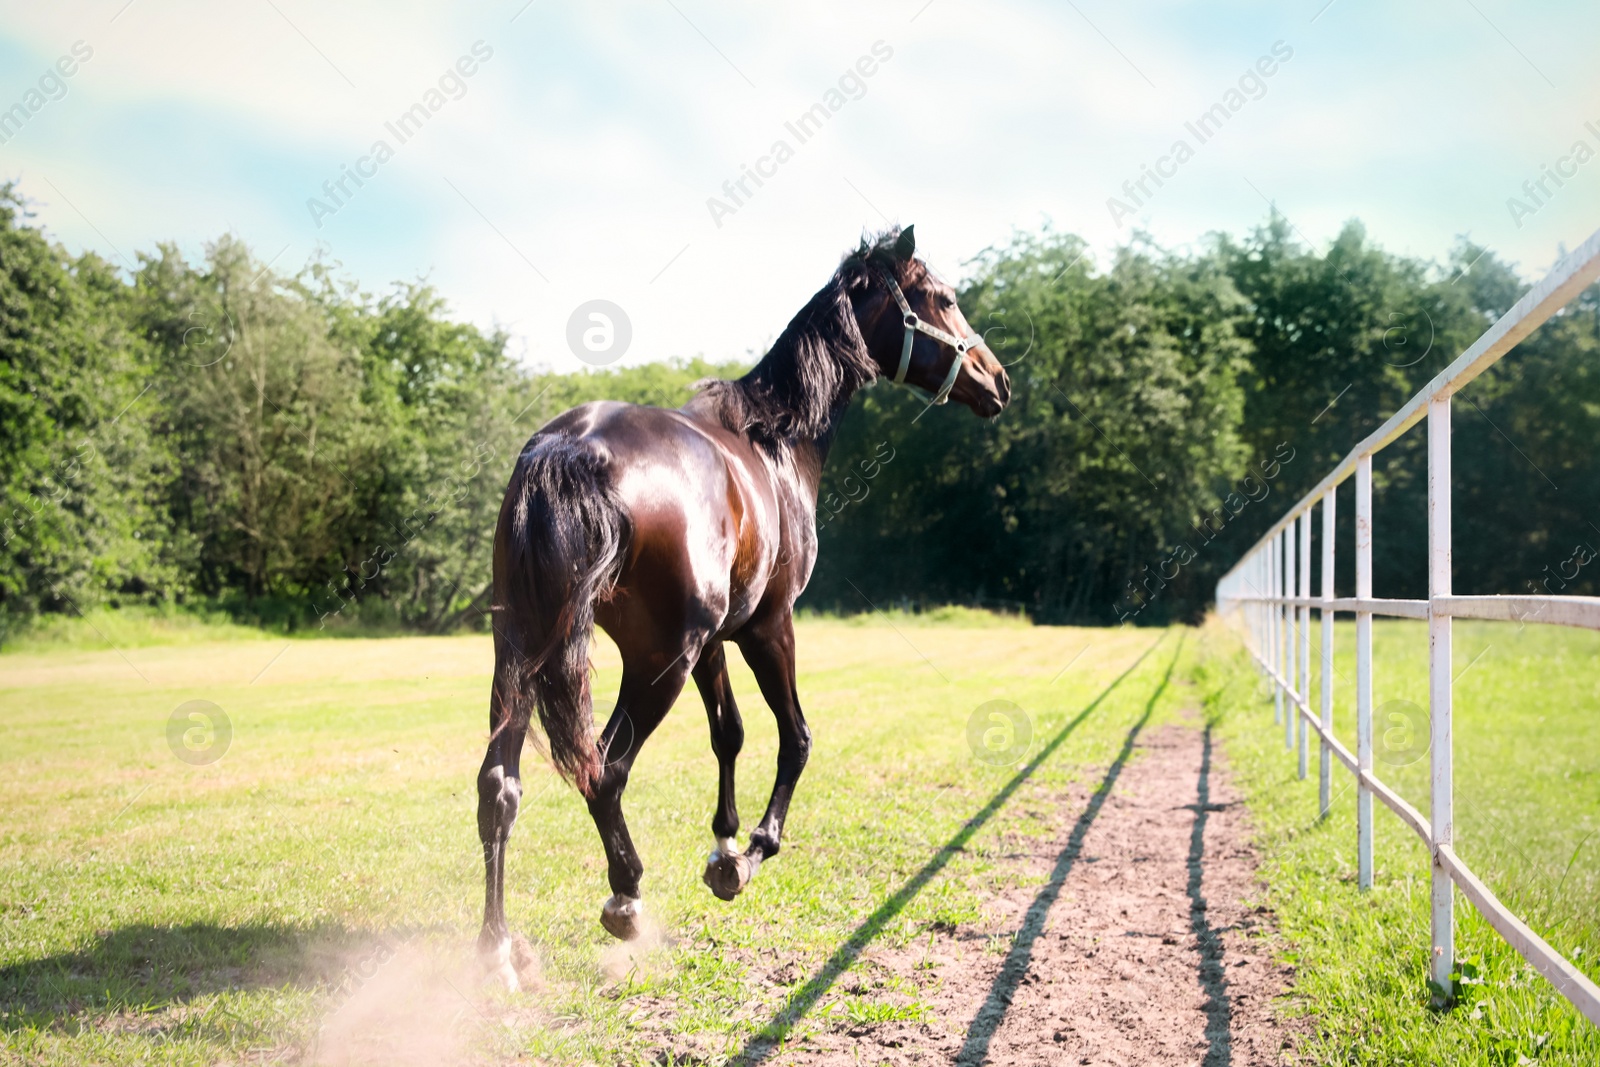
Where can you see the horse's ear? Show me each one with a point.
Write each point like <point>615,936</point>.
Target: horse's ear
<point>905,246</point>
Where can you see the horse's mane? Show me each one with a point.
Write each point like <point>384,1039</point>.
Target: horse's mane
<point>816,364</point>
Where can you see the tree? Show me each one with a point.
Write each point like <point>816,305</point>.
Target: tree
<point>282,464</point>
<point>78,515</point>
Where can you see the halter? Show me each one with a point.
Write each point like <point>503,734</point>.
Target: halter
<point>914,325</point>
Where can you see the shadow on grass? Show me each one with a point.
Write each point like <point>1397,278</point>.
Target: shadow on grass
<point>802,1000</point>
<point>147,968</point>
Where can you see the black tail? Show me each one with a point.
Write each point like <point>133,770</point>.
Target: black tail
<point>560,543</point>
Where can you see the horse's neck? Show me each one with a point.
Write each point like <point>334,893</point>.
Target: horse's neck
<point>809,460</point>
<point>808,455</point>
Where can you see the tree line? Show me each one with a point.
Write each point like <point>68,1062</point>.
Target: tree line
<point>1169,407</point>
<point>299,452</point>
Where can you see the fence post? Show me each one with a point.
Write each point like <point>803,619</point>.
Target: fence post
<point>1263,618</point>
<point>1258,585</point>
<point>1441,814</point>
<point>1254,609</point>
<point>1290,656</point>
<point>1364,669</point>
<point>1325,755</point>
<point>1304,612</point>
<point>1275,624</point>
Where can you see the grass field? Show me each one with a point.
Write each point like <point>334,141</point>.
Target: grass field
<point>158,911</point>
<point>322,880</point>
<point>1527,773</point>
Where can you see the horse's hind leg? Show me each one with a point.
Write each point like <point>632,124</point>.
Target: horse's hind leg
<point>648,692</point>
<point>727,738</point>
<point>499,796</point>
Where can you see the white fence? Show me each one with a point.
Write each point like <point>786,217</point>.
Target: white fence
<point>1268,592</point>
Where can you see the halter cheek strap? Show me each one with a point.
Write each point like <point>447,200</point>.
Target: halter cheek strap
<point>914,326</point>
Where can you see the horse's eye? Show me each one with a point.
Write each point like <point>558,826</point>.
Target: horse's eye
<point>945,303</point>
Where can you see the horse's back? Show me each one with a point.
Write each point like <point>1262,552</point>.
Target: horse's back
<point>702,510</point>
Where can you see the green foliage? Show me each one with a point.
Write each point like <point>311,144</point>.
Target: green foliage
<point>295,450</point>
<point>281,456</point>
<point>306,454</point>
<point>79,471</point>
<point>1340,341</point>
<point>1123,426</point>
<point>1524,437</point>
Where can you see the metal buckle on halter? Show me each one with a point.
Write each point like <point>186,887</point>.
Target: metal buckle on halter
<point>914,325</point>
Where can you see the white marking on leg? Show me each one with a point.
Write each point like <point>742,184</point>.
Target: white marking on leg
<point>498,964</point>
<point>723,846</point>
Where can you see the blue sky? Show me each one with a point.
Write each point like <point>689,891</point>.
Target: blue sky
<point>578,160</point>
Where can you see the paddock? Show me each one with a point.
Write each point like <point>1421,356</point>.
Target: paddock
<point>311,895</point>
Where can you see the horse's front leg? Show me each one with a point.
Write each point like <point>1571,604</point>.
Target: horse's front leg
<point>769,651</point>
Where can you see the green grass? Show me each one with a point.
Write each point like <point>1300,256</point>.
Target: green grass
<point>130,627</point>
<point>942,615</point>
<point>156,911</point>
<point>169,624</point>
<point>1527,777</point>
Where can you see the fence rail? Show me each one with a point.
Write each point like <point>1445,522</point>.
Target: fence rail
<point>1268,594</point>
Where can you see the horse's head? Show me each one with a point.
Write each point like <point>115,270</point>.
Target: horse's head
<point>917,335</point>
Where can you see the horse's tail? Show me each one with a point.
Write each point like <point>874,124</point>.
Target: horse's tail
<point>561,540</point>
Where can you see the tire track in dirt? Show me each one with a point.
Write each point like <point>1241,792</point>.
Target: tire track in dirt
<point>1130,941</point>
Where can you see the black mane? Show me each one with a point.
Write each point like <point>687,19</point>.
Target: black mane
<point>816,365</point>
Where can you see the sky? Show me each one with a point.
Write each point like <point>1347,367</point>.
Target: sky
<point>593,151</point>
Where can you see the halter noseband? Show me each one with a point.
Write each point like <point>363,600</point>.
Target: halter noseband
<point>914,325</point>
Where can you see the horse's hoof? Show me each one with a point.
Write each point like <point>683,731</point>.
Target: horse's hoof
<point>623,917</point>
<point>526,963</point>
<point>727,874</point>
<point>499,966</point>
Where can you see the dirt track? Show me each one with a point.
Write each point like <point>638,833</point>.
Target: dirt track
<point>1134,940</point>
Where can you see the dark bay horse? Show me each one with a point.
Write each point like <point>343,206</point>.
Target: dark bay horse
<point>679,531</point>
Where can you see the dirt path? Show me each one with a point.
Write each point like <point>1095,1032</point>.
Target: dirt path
<point>1133,941</point>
